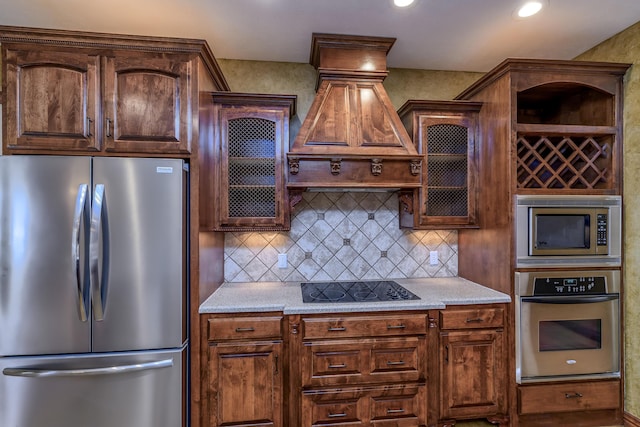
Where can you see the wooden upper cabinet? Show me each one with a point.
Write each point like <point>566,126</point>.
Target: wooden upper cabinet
<point>243,177</point>
<point>51,100</point>
<point>445,133</point>
<point>147,103</point>
<point>98,93</point>
<point>559,123</point>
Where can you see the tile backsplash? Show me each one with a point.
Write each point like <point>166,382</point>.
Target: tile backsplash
<point>341,236</point>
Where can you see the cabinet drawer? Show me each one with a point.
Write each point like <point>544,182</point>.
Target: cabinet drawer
<point>538,399</point>
<point>352,327</point>
<point>472,318</point>
<point>349,362</point>
<point>237,328</point>
<point>391,406</point>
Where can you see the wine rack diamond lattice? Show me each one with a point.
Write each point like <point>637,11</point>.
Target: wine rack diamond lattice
<point>563,162</point>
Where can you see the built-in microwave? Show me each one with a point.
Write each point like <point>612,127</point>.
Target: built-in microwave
<point>568,230</point>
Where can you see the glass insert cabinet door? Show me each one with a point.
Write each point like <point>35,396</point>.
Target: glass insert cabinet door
<point>252,188</point>
<point>252,169</point>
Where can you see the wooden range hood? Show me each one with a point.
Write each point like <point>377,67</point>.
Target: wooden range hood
<point>352,137</point>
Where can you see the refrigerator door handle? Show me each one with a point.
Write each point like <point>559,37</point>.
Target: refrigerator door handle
<point>107,370</point>
<point>99,227</point>
<point>79,214</point>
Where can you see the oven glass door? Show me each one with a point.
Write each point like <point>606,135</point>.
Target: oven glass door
<point>569,335</point>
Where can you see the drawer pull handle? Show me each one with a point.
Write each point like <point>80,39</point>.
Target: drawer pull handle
<point>249,329</point>
<point>572,395</point>
<point>339,415</point>
<point>342,365</point>
<point>399,362</point>
<point>395,411</point>
<point>475,320</point>
<point>337,329</point>
<point>396,326</point>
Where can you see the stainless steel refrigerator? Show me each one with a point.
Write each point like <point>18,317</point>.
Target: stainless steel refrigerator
<point>93,296</point>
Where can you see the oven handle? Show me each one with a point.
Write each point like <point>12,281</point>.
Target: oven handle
<point>572,300</point>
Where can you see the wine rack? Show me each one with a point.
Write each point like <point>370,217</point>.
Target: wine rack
<point>564,162</point>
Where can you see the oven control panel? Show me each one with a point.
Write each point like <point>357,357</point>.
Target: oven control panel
<point>577,285</point>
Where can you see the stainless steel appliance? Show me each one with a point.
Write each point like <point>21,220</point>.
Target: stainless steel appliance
<point>355,291</point>
<point>568,231</point>
<point>92,292</point>
<point>568,325</point>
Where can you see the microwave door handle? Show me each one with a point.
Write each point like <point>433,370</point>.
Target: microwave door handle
<point>571,299</point>
<point>78,216</point>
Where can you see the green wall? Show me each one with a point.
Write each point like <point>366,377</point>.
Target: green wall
<point>625,47</point>
<point>300,79</point>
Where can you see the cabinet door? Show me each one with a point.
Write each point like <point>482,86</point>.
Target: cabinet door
<point>51,100</point>
<point>472,370</point>
<point>252,193</point>
<point>148,103</point>
<point>449,173</point>
<point>245,384</point>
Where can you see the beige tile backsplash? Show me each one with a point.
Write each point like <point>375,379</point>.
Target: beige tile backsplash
<point>341,236</point>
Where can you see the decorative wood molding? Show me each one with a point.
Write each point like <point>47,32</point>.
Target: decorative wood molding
<point>376,167</point>
<point>295,328</point>
<point>406,199</point>
<point>415,167</point>
<point>295,197</point>
<point>94,40</point>
<point>294,165</point>
<point>256,100</point>
<point>335,166</point>
<point>433,323</point>
<point>630,420</point>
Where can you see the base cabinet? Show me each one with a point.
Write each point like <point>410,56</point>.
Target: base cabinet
<point>473,365</point>
<point>244,366</point>
<point>369,369</point>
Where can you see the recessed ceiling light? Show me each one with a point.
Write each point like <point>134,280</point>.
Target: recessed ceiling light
<point>402,3</point>
<point>529,8</point>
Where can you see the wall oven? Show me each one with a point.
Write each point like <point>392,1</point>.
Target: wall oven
<point>568,231</point>
<point>568,325</point>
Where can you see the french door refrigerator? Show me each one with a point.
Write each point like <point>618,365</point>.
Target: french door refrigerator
<point>93,277</point>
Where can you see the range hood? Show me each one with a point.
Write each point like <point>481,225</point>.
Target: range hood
<point>352,137</point>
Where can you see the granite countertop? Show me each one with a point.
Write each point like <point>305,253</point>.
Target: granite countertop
<point>434,293</point>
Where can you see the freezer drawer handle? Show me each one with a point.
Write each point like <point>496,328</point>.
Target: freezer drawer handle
<point>80,213</point>
<point>107,370</point>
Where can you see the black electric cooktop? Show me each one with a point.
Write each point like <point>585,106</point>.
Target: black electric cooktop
<point>357,291</point>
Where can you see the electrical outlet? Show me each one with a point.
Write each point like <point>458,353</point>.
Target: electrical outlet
<point>282,260</point>
<point>433,258</point>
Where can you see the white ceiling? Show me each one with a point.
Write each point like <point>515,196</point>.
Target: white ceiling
<point>460,35</point>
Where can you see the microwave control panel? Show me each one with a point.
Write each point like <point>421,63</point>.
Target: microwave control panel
<point>546,286</point>
<point>602,229</point>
